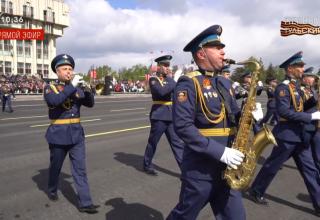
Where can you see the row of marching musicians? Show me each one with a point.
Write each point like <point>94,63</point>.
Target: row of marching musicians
<point>199,116</point>
<point>203,125</point>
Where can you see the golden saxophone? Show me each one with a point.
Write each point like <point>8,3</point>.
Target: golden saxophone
<point>244,141</point>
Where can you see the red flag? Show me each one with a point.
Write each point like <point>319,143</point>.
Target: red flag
<point>147,76</point>
<point>93,74</point>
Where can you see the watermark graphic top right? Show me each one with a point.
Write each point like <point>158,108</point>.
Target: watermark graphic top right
<point>300,26</point>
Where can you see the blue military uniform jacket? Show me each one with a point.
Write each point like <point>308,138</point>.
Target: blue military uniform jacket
<point>64,102</point>
<point>290,105</point>
<point>309,94</point>
<point>161,90</point>
<point>271,100</point>
<point>201,159</point>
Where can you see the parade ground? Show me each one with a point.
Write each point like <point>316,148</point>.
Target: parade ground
<point>116,130</point>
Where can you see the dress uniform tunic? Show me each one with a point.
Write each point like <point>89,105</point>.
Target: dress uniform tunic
<point>207,126</point>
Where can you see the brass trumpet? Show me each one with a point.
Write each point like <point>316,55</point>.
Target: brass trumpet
<point>85,86</point>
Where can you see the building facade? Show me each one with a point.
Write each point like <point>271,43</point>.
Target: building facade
<point>32,57</point>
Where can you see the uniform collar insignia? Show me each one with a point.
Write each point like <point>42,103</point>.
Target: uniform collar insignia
<point>207,73</point>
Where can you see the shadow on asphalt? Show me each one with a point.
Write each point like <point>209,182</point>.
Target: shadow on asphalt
<point>304,197</point>
<point>136,161</point>
<point>282,202</point>
<point>65,186</point>
<point>131,211</point>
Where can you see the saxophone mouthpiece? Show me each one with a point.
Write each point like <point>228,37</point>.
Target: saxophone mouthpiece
<point>229,61</point>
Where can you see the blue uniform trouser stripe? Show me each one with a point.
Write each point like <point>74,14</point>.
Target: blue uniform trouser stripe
<point>303,158</point>
<point>78,169</point>
<point>157,129</point>
<point>196,194</point>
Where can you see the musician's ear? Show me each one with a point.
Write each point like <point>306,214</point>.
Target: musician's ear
<point>199,55</point>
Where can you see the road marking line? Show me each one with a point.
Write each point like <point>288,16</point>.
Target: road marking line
<point>132,100</point>
<point>29,105</point>
<point>126,109</point>
<point>36,116</point>
<point>43,125</point>
<point>117,131</point>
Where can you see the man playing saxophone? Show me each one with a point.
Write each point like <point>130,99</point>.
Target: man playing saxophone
<point>288,134</point>
<point>205,115</point>
<point>311,134</point>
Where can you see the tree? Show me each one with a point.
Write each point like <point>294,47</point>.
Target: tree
<point>136,72</point>
<point>270,72</point>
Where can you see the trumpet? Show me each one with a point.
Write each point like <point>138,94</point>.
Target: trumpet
<point>85,86</point>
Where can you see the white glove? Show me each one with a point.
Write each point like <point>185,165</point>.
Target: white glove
<point>315,115</point>
<point>257,113</point>
<point>260,83</point>
<point>76,80</point>
<point>177,75</point>
<point>232,157</point>
<point>235,85</point>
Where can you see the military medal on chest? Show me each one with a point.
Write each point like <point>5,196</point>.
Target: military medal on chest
<point>207,84</point>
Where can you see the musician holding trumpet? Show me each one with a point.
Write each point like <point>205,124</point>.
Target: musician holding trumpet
<point>65,133</point>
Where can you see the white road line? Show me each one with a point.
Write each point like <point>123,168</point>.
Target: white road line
<point>29,105</point>
<point>44,125</point>
<point>36,116</point>
<point>116,131</point>
<point>142,100</point>
<point>126,109</point>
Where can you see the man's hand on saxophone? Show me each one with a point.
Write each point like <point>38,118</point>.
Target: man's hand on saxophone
<point>232,157</point>
<point>257,113</point>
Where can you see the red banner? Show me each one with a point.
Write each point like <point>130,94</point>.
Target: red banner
<point>147,76</point>
<point>21,34</point>
<point>93,74</point>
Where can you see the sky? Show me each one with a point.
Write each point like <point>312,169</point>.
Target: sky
<point>122,33</point>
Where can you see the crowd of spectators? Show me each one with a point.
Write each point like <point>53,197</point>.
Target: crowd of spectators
<point>22,84</point>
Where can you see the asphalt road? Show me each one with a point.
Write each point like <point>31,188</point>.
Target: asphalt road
<point>117,129</point>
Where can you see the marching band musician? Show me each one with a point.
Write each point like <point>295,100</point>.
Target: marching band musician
<point>271,104</point>
<point>225,72</point>
<point>311,135</point>
<point>65,133</point>
<point>6,93</point>
<point>242,91</point>
<point>204,116</point>
<point>289,136</point>
<point>161,87</point>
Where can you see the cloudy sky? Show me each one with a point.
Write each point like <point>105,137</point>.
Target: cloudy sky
<point>122,33</point>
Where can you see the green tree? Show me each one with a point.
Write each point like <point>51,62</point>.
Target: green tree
<point>136,72</point>
<point>270,72</point>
